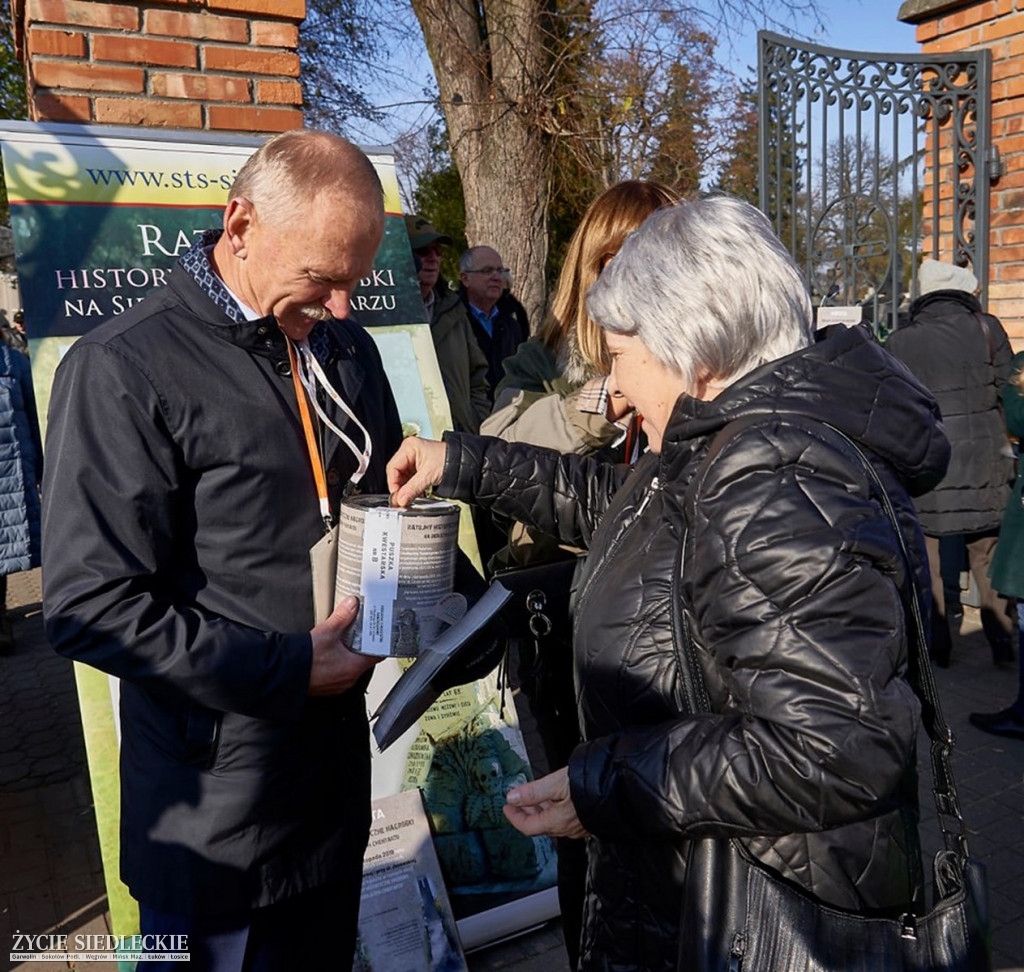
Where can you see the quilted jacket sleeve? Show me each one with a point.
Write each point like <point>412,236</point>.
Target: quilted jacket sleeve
<point>792,576</point>
<point>561,495</point>
<point>1002,352</point>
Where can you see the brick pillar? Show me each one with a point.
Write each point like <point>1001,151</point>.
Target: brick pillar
<point>220,65</point>
<point>944,26</point>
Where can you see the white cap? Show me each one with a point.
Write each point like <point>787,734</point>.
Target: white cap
<point>939,275</point>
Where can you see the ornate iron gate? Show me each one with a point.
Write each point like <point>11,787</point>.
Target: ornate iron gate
<point>869,161</point>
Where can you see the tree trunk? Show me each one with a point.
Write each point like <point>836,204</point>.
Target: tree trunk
<point>490,59</point>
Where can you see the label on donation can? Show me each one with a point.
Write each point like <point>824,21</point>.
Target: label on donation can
<point>401,564</point>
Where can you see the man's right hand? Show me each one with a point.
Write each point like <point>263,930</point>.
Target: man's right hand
<point>336,668</point>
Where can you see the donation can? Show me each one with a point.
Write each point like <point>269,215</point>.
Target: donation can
<point>401,565</point>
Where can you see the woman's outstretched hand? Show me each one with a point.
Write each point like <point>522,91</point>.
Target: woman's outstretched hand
<point>416,467</point>
<point>544,807</point>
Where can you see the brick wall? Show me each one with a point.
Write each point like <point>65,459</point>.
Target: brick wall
<point>944,27</point>
<point>221,65</point>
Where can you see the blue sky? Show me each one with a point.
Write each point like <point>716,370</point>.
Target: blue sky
<point>857,25</point>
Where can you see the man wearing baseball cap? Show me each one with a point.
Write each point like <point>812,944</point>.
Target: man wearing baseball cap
<point>462,362</point>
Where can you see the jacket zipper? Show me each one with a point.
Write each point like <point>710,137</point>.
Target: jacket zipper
<point>654,487</point>
<point>697,692</point>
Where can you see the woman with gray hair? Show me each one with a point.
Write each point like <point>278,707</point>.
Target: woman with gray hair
<point>787,580</point>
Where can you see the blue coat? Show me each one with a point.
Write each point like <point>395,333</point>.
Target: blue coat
<point>21,465</point>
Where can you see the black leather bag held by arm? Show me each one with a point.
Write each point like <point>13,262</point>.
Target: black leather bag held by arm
<point>539,589</point>
<point>739,916</point>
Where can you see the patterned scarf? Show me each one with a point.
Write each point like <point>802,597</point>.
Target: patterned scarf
<point>196,263</point>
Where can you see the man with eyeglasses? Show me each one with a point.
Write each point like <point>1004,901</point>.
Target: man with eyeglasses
<point>498,319</point>
<point>459,356</point>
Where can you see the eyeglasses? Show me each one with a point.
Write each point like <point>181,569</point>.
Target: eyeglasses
<point>487,271</point>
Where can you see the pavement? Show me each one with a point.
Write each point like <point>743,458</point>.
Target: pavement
<point>50,872</point>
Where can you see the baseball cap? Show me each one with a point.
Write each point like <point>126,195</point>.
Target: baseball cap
<point>422,233</point>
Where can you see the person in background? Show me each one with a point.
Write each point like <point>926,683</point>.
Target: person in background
<point>1008,562</point>
<point>21,469</point>
<point>790,578</point>
<point>462,362</point>
<point>963,356</point>
<point>13,334</point>
<point>554,389</point>
<point>555,394</point>
<point>193,462</point>
<point>498,326</point>
<point>499,329</point>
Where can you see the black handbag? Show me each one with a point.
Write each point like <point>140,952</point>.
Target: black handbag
<point>539,619</point>
<point>740,916</point>
<point>541,595</point>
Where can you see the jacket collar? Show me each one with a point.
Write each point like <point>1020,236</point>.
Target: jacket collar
<point>945,296</point>
<point>846,380</point>
<point>260,336</point>
<point>332,342</point>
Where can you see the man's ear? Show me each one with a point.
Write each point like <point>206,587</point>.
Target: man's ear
<point>239,217</point>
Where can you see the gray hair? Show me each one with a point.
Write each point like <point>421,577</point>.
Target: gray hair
<point>708,288</point>
<point>295,169</point>
<point>466,260</point>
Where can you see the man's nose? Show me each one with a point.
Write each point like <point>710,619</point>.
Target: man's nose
<point>339,302</point>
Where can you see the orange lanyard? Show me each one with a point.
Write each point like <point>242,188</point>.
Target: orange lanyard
<point>311,444</point>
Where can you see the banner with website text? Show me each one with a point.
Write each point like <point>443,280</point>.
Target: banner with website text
<point>99,217</point>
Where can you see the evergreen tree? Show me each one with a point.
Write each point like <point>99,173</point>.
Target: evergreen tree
<point>738,172</point>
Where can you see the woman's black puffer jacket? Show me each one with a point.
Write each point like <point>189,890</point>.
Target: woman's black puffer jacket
<point>791,576</point>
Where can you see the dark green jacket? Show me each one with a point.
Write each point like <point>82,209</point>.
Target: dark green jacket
<point>462,363</point>
<point>1008,560</point>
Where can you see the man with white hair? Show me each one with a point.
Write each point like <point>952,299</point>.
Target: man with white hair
<point>198,447</point>
<point>499,321</point>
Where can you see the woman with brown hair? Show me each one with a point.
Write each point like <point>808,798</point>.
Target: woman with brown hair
<point>553,393</point>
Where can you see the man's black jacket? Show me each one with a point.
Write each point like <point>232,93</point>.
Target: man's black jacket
<point>179,512</point>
